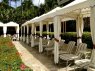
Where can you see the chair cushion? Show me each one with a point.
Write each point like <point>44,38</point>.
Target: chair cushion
<point>68,57</point>
<point>49,49</point>
<point>82,61</point>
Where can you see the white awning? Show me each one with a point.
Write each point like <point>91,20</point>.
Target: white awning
<point>26,23</point>
<point>66,19</point>
<point>34,20</point>
<point>47,15</point>
<point>74,6</point>
<point>12,24</point>
<point>72,10</point>
<point>1,24</point>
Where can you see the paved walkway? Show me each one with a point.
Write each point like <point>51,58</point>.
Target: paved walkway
<point>34,60</point>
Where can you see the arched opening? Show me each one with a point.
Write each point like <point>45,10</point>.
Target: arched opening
<point>11,30</point>
<point>1,30</point>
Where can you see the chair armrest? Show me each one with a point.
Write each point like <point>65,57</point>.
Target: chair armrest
<point>86,53</point>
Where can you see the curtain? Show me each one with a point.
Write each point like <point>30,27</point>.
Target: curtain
<point>40,40</point>
<point>4,30</point>
<point>17,31</point>
<point>92,27</point>
<point>47,26</point>
<point>21,33</point>
<point>32,37</point>
<point>24,34</point>
<point>79,28</point>
<point>27,34</point>
<point>57,29</point>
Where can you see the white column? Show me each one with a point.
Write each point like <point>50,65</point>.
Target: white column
<point>65,26</point>
<point>24,34</point>
<point>4,30</point>
<point>79,28</point>
<point>32,37</point>
<point>47,26</point>
<point>35,31</point>
<point>21,33</point>
<point>57,23</point>
<point>92,27</point>
<point>59,28</point>
<point>27,34</point>
<point>17,32</point>
<point>40,40</point>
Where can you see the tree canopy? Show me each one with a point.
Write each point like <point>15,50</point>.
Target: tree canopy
<point>25,12</point>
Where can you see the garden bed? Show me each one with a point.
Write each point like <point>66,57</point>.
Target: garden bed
<point>9,57</point>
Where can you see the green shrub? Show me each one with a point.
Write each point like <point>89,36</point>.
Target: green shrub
<point>72,36</point>
<point>69,36</point>
<point>86,38</point>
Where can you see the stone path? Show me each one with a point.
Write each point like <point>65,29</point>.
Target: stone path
<point>35,60</point>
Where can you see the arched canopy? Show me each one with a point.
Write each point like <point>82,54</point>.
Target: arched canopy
<point>75,7</point>
<point>1,24</point>
<point>30,21</point>
<point>68,12</point>
<point>12,24</point>
<point>26,23</point>
<point>45,17</point>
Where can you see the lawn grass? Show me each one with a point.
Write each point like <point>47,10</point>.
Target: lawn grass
<point>9,57</point>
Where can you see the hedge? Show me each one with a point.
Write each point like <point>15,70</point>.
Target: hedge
<point>72,36</point>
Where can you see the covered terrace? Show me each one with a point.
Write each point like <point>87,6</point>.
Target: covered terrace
<point>76,10</point>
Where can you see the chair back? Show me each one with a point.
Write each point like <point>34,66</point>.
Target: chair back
<point>51,43</point>
<point>70,47</point>
<point>80,47</point>
<point>44,41</point>
<point>92,56</point>
<point>61,43</point>
<point>36,39</point>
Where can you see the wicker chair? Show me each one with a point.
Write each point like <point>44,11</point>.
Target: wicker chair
<point>50,46</point>
<point>76,55</point>
<point>84,63</point>
<point>68,48</point>
<point>36,41</point>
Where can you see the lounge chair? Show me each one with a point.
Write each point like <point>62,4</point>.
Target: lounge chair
<point>36,41</point>
<point>49,46</point>
<point>44,42</point>
<point>66,48</point>
<point>61,43</point>
<point>69,47</point>
<point>76,55</point>
<point>84,63</point>
<point>30,39</point>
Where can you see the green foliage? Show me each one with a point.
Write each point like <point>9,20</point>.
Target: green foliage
<point>50,4</point>
<point>24,12</point>
<point>20,14</point>
<point>9,57</point>
<point>72,36</point>
<point>86,38</point>
<point>68,36</point>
